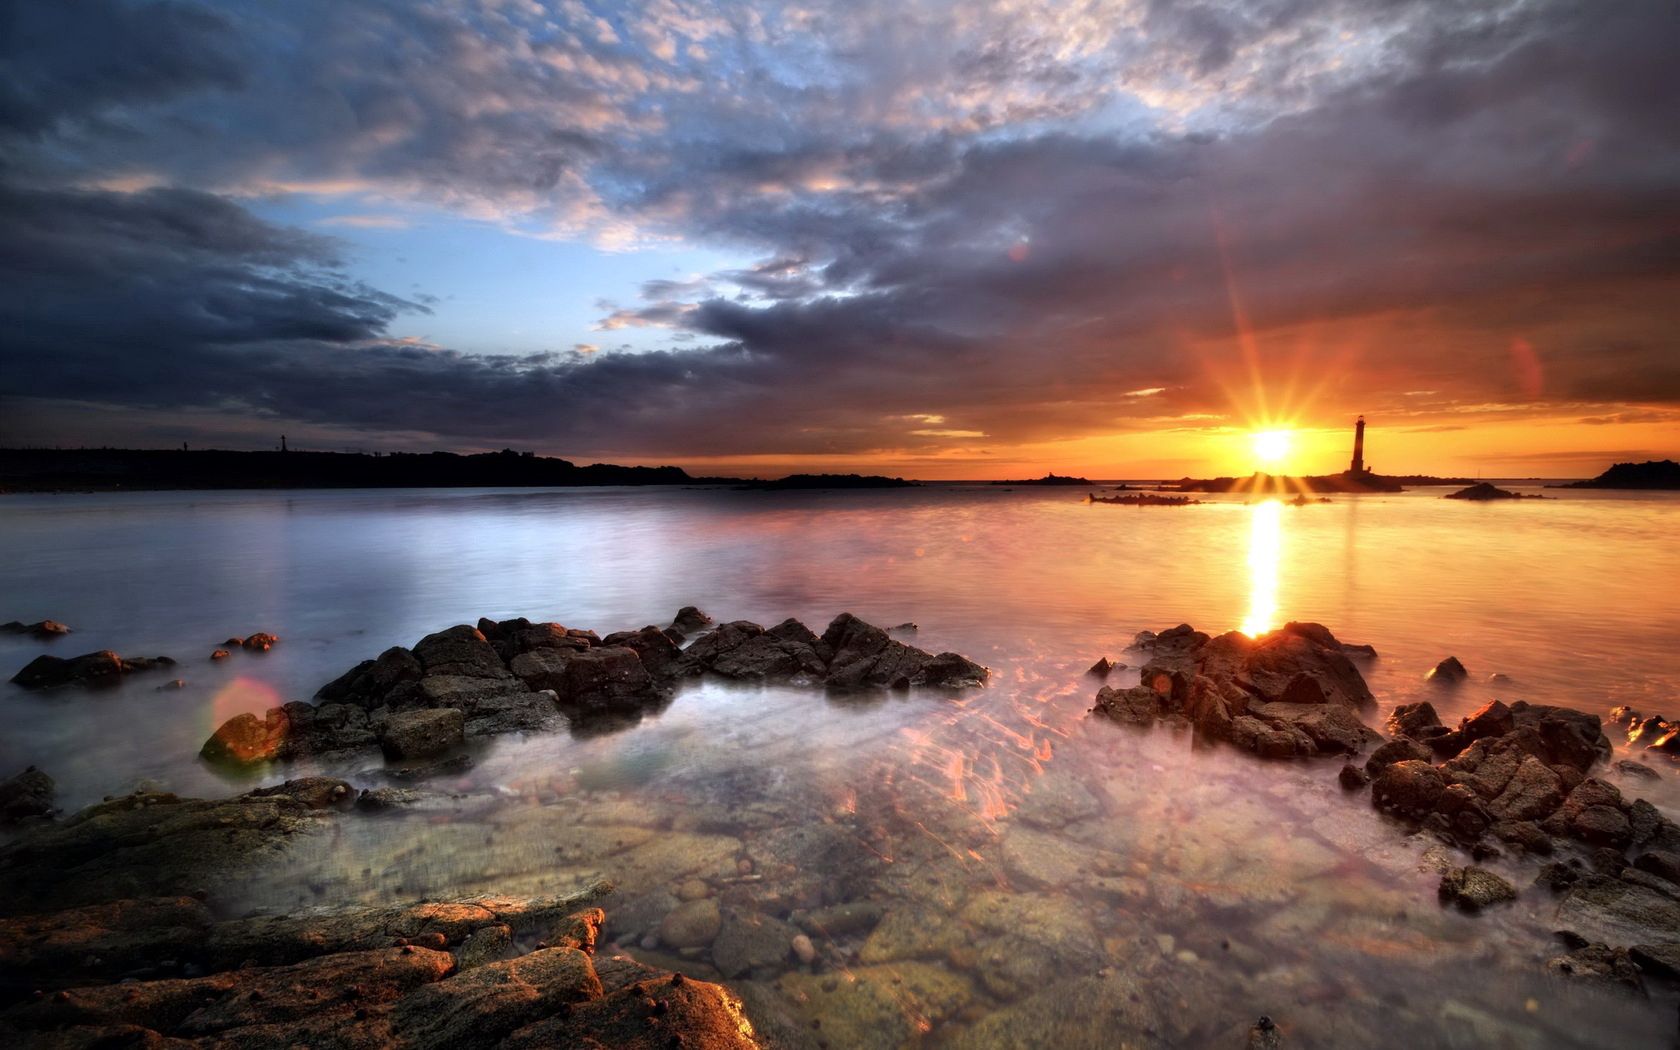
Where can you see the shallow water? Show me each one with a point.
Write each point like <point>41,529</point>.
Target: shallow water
<point>1042,877</point>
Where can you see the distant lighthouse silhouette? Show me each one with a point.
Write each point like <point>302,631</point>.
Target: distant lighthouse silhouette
<point>1358,447</point>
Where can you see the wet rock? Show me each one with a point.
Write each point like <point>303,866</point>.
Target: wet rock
<point>1616,911</point>
<point>1448,672</point>
<point>26,796</point>
<point>690,620</point>
<point>1137,706</point>
<point>1101,668</point>
<point>1598,964</point>
<point>787,651</point>
<point>423,734</point>
<point>1413,719</point>
<point>1636,770</point>
<point>1410,788</point>
<point>1661,958</point>
<point>101,668</point>
<point>694,924</point>
<point>261,642</point>
<point>659,655</point>
<point>460,651</point>
<point>220,654</point>
<point>373,682</point>
<point>1056,799</point>
<point>515,637</point>
<point>607,679</point>
<point>804,950</point>
<point>247,739</point>
<point>44,629</point>
<point>1264,1034</point>
<point>1352,778</point>
<point>840,920</point>
<point>1400,749</point>
<point>1076,1013</point>
<point>1472,888</point>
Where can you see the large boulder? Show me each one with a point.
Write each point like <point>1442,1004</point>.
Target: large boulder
<point>659,654</point>
<point>608,678</point>
<point>375,682</point>
<point>1410,788</point>
<point>461,651</point>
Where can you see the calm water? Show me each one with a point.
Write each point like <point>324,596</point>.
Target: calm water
<point>1040,878</point>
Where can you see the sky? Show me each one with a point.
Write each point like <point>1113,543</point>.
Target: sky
<point>931,239</point>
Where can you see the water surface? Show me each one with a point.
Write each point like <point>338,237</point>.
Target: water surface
<point>1041,877</point>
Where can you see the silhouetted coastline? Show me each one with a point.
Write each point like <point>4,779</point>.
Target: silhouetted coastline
<point>1652,474</point>
<point>115,469</point>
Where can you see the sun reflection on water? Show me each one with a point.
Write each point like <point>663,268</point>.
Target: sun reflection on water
<point>1265,547</point>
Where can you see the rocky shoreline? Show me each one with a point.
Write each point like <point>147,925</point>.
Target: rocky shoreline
<point>125,924</point>
<point>1511,779</point>
<point>515,675</point>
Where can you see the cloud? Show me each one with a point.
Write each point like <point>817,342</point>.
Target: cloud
<point>952,221</point>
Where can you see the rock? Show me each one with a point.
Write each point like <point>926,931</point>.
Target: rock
<point>1598,964</point>
<point>26,795</point>
<point>694,924</point>
<point>1637,770</point>
<point>220,654</point>
<point>785,652</point>
<point>247,739</point>
<point>1662,863</point>
<point>1661,958</point>
<point>1410,788</point>
<point>1400,749</point>
<point>1264,1035</point>
<point>1101,668</point>
<point>951,671</point>
<point>1078,1013</point>
<point>1413,719</point>
<point>44,629</point>
<point>422,734</point>
<point>389,680</point>
<point>804,950</point>
<point>1473,888</point>
<point>1353,778</point>
<point>460,651</point>
<point>749,940</point>
<point>261,642</point>
<point>1137,706</point>
<point>1448,672</point>
<point>606,679</point>
<point>100,668</point>
<point>172,685</point>
<point>659,655</point>
<point>1492,719</point>
<point>690,620</point>
<point>840,920</point>
<point>512,638</point>
<point>1616,911</point>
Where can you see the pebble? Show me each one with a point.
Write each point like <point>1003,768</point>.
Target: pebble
<point>804,949</point>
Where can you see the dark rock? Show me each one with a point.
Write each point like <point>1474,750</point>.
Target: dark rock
<point>1661,863</point>
<point>247,739</point>
<point>44,629</point>
<point>460,651</point>
<point>373,682</point>
<point>750,940</point>
<point>511,638</point>
<point>1472,888</point>
<point>1264,1034</point>
<point>659,655</point>
<point>1616,911</point>
<point>1400,749</point>
<point>220,654</point>
<point>1410,788</point>
<point>422,734</point>
<point>1101,668</point>
<point>100,668</point>
<point>1598,964</point>
<point>25,796</point>
<point>951,671</point>
<point>1638,770</point>
<point>1359,652</point>
<point>1448,672</point>
<point>1557,877</point>
<point>1412,719</point>
<point>609,678</point>
<point>1523,834</point>
<point>1353,778</point>
<point>1661,958</point>
<point>690,620</point>
<point>786,652</point>
<point>1136,706</point>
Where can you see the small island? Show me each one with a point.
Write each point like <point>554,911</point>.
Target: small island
<point>1143,499</point>
<point>1652,474</point>
<point>1048,479</point>
<point>828,481</point>
<point>1483,492</point>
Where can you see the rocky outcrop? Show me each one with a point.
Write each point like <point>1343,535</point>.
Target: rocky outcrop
<point>44,629</point>
<point>101,668</point>
<point>1649,732</point>
<point>482,972</point>
<point>1472,888</point>
<point>152,844</point>
<point>1292,693</point>
<point>515,675</point>
<point>1448,672</point>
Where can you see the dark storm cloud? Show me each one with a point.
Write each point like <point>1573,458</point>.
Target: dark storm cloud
<point>1010,221</point>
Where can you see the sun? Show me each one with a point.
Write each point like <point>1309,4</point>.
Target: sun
<point>1271,446</point>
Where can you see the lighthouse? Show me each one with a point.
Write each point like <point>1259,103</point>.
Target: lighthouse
<point>1358,447</point>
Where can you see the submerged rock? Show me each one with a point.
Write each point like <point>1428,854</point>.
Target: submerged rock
<point>100,668</point>
<point>1448,672</point>
<point>40,629</point>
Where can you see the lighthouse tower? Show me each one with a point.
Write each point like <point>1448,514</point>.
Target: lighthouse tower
<point>1358,447</point>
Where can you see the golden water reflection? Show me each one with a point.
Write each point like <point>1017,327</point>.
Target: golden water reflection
<point>1265,549</point>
